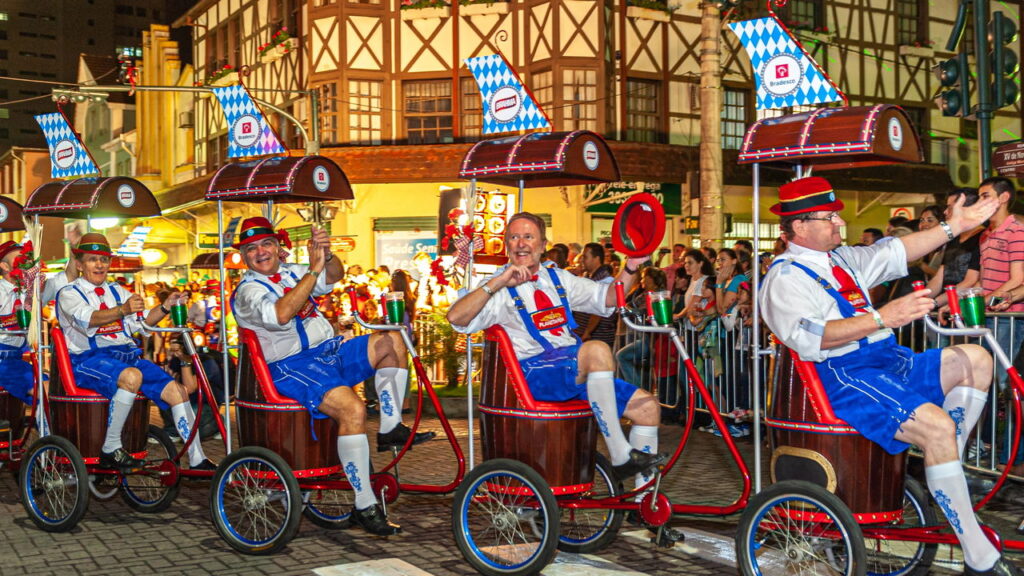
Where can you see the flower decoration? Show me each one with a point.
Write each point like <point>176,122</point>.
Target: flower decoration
<point>415,4</point>
<point>464,241</point>
<point>281,37</point>
<point>227,69</point>
<point>24,271</point>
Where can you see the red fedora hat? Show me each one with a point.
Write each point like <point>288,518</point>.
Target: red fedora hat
<point>639,226</point>
<point>811,194</point>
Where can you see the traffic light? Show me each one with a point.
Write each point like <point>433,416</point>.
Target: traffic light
<point>953,74</point>
<point>1001,32</point>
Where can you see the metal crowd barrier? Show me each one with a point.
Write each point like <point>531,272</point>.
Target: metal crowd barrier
<point>723,358</point>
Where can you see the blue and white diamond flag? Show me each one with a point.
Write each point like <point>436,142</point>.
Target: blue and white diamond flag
<point>249,133</point>
<point>507,105</point>
<point>68,156</point>
<point>785,74</point>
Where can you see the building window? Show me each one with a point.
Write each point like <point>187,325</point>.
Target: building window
<point>919,120</point>
<point>329,118</point>
<point>365,112</point>
<point>543,89</point>
<point>471,127</point>
<point>285,13</point>
<point>908,22</point>
<point>428,111</point>
<point>806,14</point>
<point>579,93</point>
<point>734,118</point>
<point>643,111</point>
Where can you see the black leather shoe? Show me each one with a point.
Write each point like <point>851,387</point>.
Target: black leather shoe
<point>638,463</point>
<point>1001,568</point>
<point>374,521</point>
<point>206,465</point>
<point>119,458</point>
<point>397,437</point>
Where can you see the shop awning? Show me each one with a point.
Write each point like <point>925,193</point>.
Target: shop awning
<point>542,159</point>
<point>281,179</point>
<point>117,197</point>
<point>834,138</point>
<point>10,215</point>
<point>211,261</point>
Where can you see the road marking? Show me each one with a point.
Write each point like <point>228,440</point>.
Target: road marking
<point>566,564</point>
<point>707,545</point>
<point>381,567</point>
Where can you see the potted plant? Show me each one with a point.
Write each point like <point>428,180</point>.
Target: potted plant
<point>414,9</point>
<point>279,45</point>
<point>226,76</point>
<point>443,345</point>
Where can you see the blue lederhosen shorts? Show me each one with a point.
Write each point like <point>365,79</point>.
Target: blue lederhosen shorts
<point>98,370</point>
<point>308,375</point>
<point>17,374</point>
<point>877,388</point>
<point>552,376</point>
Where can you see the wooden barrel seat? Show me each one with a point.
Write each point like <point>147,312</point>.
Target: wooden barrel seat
<point>276,422</point>
<point>80,415</point>
<point>557,439</point>
<point>15,413</point>
<point>810,443</point>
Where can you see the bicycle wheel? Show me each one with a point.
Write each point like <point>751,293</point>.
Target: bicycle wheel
<point>505,520</point>
<point>54,484</point>
<point>902,558</point>
<point>796,527</point>
<point>150,490</point>
<point>586,530</point>
<point>255,501</point>
<point>329,508</point>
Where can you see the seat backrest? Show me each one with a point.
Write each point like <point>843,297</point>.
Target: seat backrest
<point>512,377</point>
<point>65,376</point>
<point>253,365</point>
<point>812,387</point>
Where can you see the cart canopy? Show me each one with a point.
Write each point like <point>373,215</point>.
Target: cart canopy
<point>542,159</point>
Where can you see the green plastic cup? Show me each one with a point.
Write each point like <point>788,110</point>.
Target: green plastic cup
<point>661,304</point>
<point>179,314</point>
<point>395,303</point>
<point>972,307</point>
<point>24,318</point>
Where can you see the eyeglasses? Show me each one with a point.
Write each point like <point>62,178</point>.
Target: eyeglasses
<point>832,217</point>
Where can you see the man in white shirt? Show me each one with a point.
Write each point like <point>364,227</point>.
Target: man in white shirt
<point>315,368</point>
<point>815,300</point>
<point>534,305</point>
<point>98,319</point>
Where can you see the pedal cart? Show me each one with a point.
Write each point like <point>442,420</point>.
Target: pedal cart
<point>288,463</point>
<point>838,503</point>
<point>542,485</point>
<point>59,466</point>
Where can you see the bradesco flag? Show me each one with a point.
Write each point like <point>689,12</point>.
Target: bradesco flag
<point>507,105</point>
<point>249,133</point>
<point>68,156</point>
<point>786,75</point>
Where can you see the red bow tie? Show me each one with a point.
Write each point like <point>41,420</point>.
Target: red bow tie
<point>275,278</point>
<point>533,278</point>
<point>100,292</point>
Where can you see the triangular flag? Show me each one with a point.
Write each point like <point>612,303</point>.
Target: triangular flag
<point>68,156</point>
<point>785,74</point>
<point>249,133</point>
<point>508,106</point>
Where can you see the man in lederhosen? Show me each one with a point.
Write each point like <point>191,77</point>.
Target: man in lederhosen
<point>534,305</point>
<point>315,368</point>
<point>815,300</point>
<point>98,319</point>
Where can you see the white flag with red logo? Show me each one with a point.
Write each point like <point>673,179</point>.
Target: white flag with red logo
<point>508,105</point>
<point>249,133</point>
<point>68,156</point>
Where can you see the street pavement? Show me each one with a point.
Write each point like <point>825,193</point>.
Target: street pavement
<point>113,539</point>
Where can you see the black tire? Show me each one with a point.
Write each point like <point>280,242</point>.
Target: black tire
<point>330,509</point>
<point>776,536</point>
<point>54,484</point>
<point>147,491</point>
<point>899,558</point>
<point>505,519</point>
<point>255,501</point>
<point>587,530</point>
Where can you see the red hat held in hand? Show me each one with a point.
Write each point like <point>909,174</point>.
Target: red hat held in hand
<point>812,194</point>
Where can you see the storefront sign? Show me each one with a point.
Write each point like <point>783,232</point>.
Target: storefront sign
<point>207,240</point>
<point>904,211</point>
<point>1008,160</point>
<point>669,194</point>
<point>409,251</point>
<point>305,232</point>
<point>343,244</point>
<point>691,225</point>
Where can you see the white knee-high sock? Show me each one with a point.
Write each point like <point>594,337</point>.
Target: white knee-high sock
<point>390,384</point>
<point>949,487</point>
<point>354,453</point>
<point>601,394</point>
<point>644,439</point>
<point>184,417</point>
<point>120,406</point>
<point>964,405</point>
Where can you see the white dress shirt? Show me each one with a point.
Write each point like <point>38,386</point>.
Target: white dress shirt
<point>584,295</point>
<point>796,307</point>
<point>254,309</point>
<point>74,314</point>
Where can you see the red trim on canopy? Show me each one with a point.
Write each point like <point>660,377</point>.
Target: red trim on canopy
<point>542,159</point>
<point>282,179</point>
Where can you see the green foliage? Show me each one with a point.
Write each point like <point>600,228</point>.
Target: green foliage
<point>416,4</point>
<point>441,344</point>
<point>661,5</point>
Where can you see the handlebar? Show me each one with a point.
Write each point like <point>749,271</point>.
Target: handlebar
<point>400,328</point>
<point>620,299</point>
